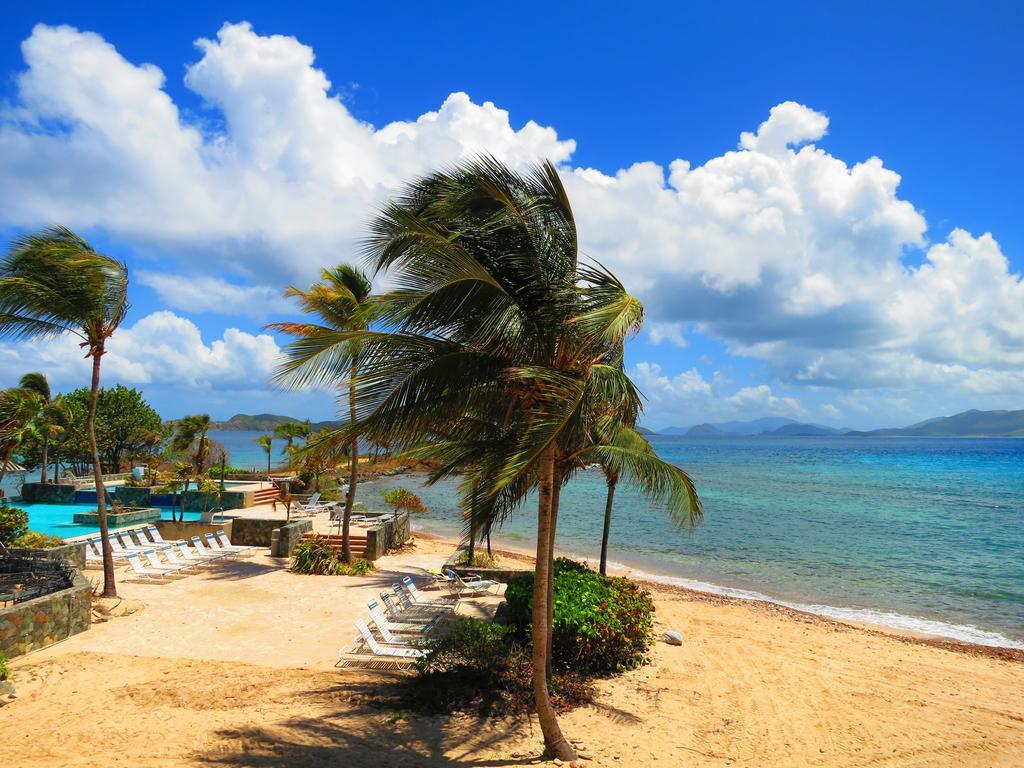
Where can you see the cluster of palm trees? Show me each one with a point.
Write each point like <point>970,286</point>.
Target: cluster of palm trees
<point>29,412</point>
<point>497,353</point>
<point>54,283</point>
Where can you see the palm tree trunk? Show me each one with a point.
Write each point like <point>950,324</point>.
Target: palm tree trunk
<point>555,745</point>
<point>556,495</point>
<point>353,472</point>
<point>472,539</point>
<point>43,473</point>
<point>109,587</point>
<point>607,525</point>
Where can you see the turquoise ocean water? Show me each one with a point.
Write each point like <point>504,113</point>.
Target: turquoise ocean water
<point>916,533</point>
<point>921,534</point>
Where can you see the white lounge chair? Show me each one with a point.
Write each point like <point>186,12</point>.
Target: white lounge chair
<point>372,655</point>
<point>418,628</point>
<point>398,612</point>
<point>418,598</point>
<point>153,559</point>
<point>311,507</point>
<point>222,539</point>
<point>173,558</point>
<point>473,586</point>
<point>138,569</point>
<point>203,550</point>
<point>405,600</point>
<point>192,555</point>
<point>156,538</point>
<point>94,552</point>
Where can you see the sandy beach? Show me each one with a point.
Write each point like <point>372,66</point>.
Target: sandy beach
<point>235,667</point>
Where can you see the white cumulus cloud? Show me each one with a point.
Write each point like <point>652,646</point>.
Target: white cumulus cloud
<point>161,350</point>
<point>784,252</point>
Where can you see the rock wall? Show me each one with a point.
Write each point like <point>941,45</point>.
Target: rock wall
<point>46,620</point>
<point>48,493</point>
<point>386,535</point>
<point>285,538</point>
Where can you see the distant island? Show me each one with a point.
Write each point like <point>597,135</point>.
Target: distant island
<point>971,423</point>
<point>262,422</point>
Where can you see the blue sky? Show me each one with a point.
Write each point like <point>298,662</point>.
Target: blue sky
<point>832,265</point>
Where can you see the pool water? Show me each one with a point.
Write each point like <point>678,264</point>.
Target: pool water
<point>56,519</point>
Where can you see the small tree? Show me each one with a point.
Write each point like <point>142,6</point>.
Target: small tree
<point>403,499</point>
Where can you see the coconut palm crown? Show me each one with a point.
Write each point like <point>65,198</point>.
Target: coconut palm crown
<point>54,283</point>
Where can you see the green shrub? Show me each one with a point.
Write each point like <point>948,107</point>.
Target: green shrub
<point>13,524</point>
<point>481,665</point>
<point>601,625</point>
<point>315,556</point>
<point>4,671</point>
<point>35,540</point>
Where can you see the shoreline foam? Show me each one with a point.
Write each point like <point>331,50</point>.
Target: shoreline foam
<point>886,621</point>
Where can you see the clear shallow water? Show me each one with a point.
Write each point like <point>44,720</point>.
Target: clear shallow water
<point>921,534</point>
<point>55,519</point>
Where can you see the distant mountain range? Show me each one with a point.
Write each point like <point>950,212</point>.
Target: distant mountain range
<point>775,426</point>
<point>967,424</point>
<point>262,422</point>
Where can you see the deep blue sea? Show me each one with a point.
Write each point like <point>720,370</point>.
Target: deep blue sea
<point>918,533</point>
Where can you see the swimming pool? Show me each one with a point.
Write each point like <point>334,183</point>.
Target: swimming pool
<point>55,519</point>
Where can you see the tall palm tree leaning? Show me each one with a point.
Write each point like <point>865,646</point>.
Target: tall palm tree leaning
<point>54,283</point>
<point>494,329</point>
<point>329,353</point>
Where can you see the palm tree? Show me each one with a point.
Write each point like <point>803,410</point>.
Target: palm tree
<point>183,473</point>
<point>494,322</point>
<point>19,407</point>
<point>291,431</point>
<point>53,283</point>
<point>266,442</point>
<point>192,431</point>
<point>328,353</point>
<point>50,422</point>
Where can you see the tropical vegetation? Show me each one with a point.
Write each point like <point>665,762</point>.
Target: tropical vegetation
<point>328,352</point>
<point>497,354</point>
<point>54,283</point>
<point>315,556</point>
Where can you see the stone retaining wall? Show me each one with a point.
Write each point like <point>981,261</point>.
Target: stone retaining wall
<point>46,620</point>
<point>497,574</point>
<point>284,539</point>
<point>175,529</point>
<point>386,535</point>
<point>134,497</point>
<point>194,500</point>
<point>48,493</point>
<point>254,532</point>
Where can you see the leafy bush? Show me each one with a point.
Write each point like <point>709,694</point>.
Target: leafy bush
<point>35,540</point>
<point>601,625</point>
<point>481,665</point>
<point>4,671</point>
<point>403,499</point>
<point>13,524</point>
<point>315,556</point>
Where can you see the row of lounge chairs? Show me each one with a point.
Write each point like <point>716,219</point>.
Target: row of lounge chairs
<point>403,624</point>
<point>150,557</point>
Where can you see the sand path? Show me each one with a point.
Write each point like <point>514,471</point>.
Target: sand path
<point>236,669</point>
